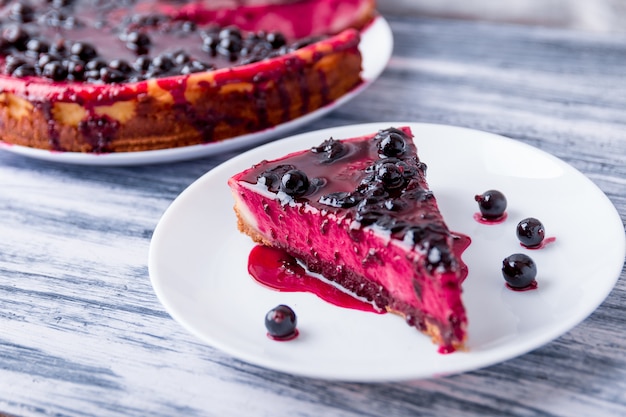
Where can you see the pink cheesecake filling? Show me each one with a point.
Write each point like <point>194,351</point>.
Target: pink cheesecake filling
<point>334,254</point>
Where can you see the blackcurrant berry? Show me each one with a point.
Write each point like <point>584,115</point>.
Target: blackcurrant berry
<point>75,70</point>
<point>138,42</point>
<point>281,322</point>
<point>194,66</point>
<point>519,270</point>
<point>230,32</point>
<point>276,39</point>
<point>368,212</point>
<point>59,47</point>
<point>162,63</point>
<point>330,150</point>
<point>54,70</point>
<point>34,47</point>
<point>95,65</point>
<point>15,36</point>
<point>210,42</point>
<point>13,62</point>
<point>111,75</point>
<point>25,70</point>
<point>120,65</point>
<point>530,232</point>
<point>22,12</point>
<point>390,175</point>
<point>181,57</point>
<point>83,51</point>
<point>340,199</point>
<point>47,58</point>
<point>392,142</point>
<point>229,46</point>
<point>294,183</point>
<point>492,204</point>
<point>142,63</point>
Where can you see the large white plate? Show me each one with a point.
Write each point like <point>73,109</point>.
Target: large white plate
<point>198,264</point>
<point>376,48</point>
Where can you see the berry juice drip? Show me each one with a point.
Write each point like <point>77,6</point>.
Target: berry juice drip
<point>532,286</point>
<point>459,244</point>
<point>542,245</point>
<point>275,269</point>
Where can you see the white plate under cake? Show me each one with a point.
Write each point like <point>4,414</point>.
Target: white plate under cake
<point>199,277</point>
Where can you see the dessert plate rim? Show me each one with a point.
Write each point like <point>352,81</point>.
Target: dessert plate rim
<point>376,47</point>
<point>204,285</point>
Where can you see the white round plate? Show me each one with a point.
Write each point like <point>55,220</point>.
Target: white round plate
<point>198,264</point>
<point>376,47</point>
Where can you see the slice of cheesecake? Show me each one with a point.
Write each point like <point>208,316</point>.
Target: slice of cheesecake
<point>359,212</point>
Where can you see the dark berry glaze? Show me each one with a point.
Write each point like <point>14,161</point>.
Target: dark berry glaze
<point>360,213</point>
<point>532,286</point>
<point>388,193</point>
<point>126,41</point>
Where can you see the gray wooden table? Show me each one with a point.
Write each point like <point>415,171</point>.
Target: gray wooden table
<point>82,332</point>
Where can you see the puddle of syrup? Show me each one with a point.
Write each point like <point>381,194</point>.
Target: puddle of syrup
<point>483,220</point>
<point>532,286</point>
<point>542,245</point>
<point>276,269</point>
<point>286,338</point>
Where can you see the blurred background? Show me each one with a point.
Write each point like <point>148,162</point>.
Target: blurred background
<point>591,15</point>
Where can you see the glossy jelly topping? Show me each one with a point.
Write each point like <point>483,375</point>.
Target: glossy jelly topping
<point>99,42</point>
<point>384,187</point>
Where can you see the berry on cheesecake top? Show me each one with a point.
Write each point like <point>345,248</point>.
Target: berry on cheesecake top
<point>100,42</point>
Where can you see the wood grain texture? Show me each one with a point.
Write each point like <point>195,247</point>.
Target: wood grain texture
<point>81,330</point>
<point>598,15</point>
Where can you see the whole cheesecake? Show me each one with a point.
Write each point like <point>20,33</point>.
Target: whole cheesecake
<point>359,212</point>
<point>120,76</point>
